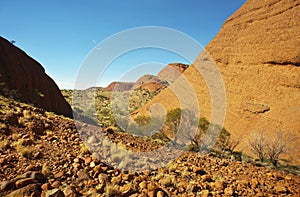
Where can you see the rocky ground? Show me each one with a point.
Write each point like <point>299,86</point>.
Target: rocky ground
<point>42,154</point>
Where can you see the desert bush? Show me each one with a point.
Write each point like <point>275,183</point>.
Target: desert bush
<point>278,145</point>
<point>271,148</point>
<point>257,144</point>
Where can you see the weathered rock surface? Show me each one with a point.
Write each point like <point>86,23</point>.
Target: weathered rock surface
<point>25,79</point>
<point>171,72</point>
<point>150,82</point>
<point>260,32</point>
<point>119,86</point>
<point>257,53</point>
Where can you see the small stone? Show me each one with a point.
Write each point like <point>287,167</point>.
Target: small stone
<point>218,185</point>
<point>24,182</point>
<point>35,194</point>
<point>46,186</point>
<point>38,155</point>
<point>70,192</point>
<point>116,180</point>
<point>151,194</point>
<point>7,185</point>
<point>92,164</point>
<point>59,174</point>
<point>204,193</point>
<point>26,190</point>
<point>143,184</point>
<point>151,186</point>
<point>30,168</point>
<point>56,184</point>
<point>280,188</point>
<point>103,178</point>
<point>228,191</point>
<point>124,190</point>
<point>160,194</point>
<point>54,193</point>
<point>83,175</point>
<point>206,178</point>
<point>254,183</point>
<point>3,161</point>
<point>288,177</point>
<point>166,182</point>
<point>88,160</point>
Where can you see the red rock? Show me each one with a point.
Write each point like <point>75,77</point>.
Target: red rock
<point>56,184</point>
<point>26,190</point>
<point>46,186</point>
<point>7,185</point>
<point>70,192</point>
<point>119,86</point>
<point>204,193</point>
<point>25,75</point>
<point>280,188</point>
<point>23,182</point>
<point>229,191</point>
<point>54,193</point>
<point>59,174</point>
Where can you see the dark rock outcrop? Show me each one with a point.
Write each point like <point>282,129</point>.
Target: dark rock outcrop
<point>23,78</point>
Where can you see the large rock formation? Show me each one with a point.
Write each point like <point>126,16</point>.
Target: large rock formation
<point>171,72</point>
<point>257,52</point>
<point>119,86</point>
<point>150,83</point>
<point>25,79</point>
<point>260,32</point>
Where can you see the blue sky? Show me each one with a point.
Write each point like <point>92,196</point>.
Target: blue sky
<point>60,34</point>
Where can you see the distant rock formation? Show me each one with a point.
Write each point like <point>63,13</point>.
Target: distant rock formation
<point>164,78</point>
<point>119,86</point>
<point>171,72</point>
<point>25,79</point>
<point>150,83</point>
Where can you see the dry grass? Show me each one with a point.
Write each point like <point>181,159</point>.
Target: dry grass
<point>112,190</point>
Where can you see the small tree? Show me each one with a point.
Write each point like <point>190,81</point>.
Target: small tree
<point>258,145</point>
<point>278,146</point>
<point>230,144</point>
<point>271,148</point>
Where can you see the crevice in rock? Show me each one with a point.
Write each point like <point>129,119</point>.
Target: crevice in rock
<point>283,63</point>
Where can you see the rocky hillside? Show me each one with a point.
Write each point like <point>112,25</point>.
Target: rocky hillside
<point>119,86</point>
<point>257,53</point>
<point>42,154</point>
<point>25,79</point>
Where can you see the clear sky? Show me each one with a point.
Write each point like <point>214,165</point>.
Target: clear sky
<point>60,33</point>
